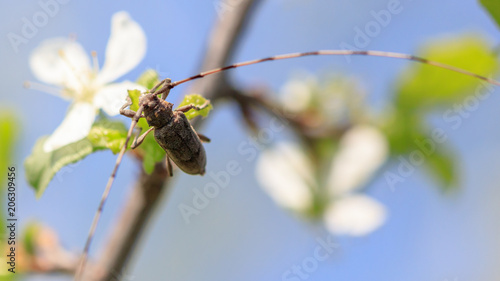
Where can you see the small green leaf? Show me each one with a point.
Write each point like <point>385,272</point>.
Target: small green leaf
<point>441,164</point>
<point>108,134</point>
<point>493,7</point>
<point>134,96</point>
<point>29,237</point>
<point>40,166</point>
<point>426,86</point>
<point>148,78</point>
<point>198,101</point>
<point>153,153</point>
<point>402,128</point>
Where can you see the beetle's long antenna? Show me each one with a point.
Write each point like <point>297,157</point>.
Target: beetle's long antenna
<point>97,216</point>
<point>165,85</point>
<point>338,53</point>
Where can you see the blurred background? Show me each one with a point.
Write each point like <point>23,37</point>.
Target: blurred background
<point>243,234</point>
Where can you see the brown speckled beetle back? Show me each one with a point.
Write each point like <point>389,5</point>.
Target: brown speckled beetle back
<point>172,132</point>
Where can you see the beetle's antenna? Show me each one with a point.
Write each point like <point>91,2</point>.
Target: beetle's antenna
<point>338,53</point>
<point>164,86</point>
<point>97,216</point>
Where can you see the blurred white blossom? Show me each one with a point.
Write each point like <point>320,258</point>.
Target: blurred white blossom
<point>362,150</point>
<point>63,62</point>
<point>354,215</point>
<point>286,174</point>
<point>296,95</point>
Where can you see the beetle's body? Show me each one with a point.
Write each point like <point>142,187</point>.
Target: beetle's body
<point>174,133</point>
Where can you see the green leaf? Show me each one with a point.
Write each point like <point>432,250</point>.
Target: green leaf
<point>441,164</point>
<point>29,237</point>
<point>423,88</point>
<point>402,128</point>
<point>407,135</point>
<point>40,166</point>
<point>108,134</point>
<point>134,96</point>
<point>8,137</point>
<point>426,86</point>
<point>148,78</point>
<point>493,7</point>
<point>153,153</point>
<point>198,101</point>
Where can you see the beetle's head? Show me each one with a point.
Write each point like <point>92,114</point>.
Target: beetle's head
<point>149,101</point>
<point>157,111</point>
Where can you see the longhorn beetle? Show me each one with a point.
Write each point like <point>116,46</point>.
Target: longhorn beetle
<point>166,122</point>
<point>173,132</point>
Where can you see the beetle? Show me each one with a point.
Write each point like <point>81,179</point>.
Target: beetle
<point>172,130</point>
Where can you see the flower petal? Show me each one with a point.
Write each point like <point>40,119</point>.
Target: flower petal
<point>111,97</point>
<point>61,62</point>
<point>285,174</point>
<point>362,150</point>
<point>355,215</point>
<point>126,48</point>
<point>75,126</point>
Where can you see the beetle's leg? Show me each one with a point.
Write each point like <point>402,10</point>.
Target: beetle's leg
<point>203,138</point>
<point>164,92</point>
<point>139,130</point>
<point>128,112</point>
<point>188,107</point>
<point>162,83</point>
<point>169,166</point>
<point>140,139</point>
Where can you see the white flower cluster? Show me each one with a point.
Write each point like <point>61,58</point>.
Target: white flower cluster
<point>286,173</point>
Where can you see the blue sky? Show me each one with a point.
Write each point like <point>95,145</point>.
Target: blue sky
<point>242,234</point>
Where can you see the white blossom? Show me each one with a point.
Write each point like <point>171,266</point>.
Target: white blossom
<point>296,95</point>
<point>362,150</point>
<point>63,62</point>
<point>354,215</point>
<point>286,175</point>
